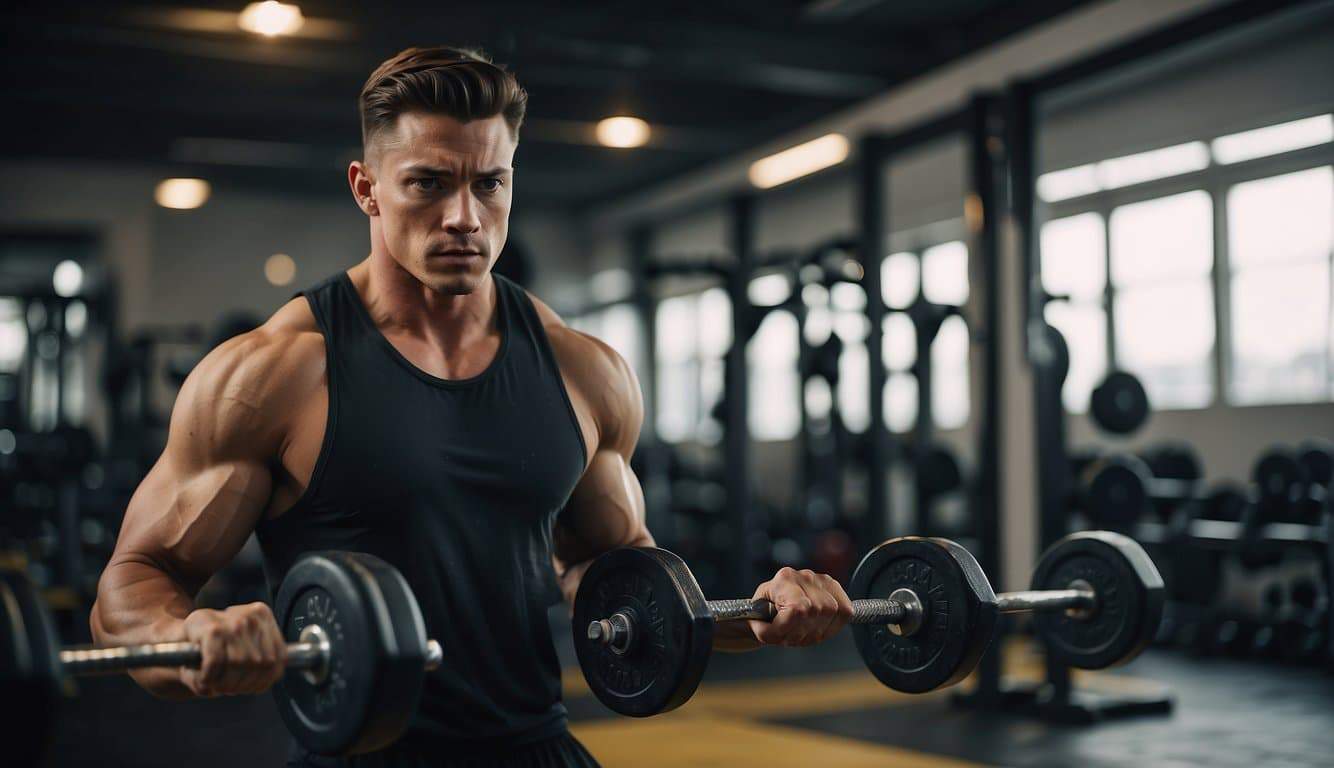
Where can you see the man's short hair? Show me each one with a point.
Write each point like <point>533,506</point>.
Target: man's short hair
<point>460,82</point>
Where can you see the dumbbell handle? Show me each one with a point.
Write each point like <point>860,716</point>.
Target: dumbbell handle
<point>1080,596</point>
<point>312,654</point>
<point>869,611</point>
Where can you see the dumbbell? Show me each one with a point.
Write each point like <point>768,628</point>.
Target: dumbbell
<point>923,614</point>
<point>356,660</point>
<point>1118,489</point>
<point>1288,493</point>
<point>1317,458</point>
<point>1119,404</point>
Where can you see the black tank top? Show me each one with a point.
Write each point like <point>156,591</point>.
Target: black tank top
<point>457,483</point>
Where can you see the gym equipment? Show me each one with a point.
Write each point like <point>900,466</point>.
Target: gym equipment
<point>1173,461</point>
<point>1317,458</point>
<point>923,614</point>
<point>938,471</point>
<point>356,660</point>
<point>1119,404</point>
<point>1290,487</point>
<point>1120,488</point>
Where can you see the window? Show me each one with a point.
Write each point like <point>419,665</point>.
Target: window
<point>939,274</point>
<point>1279,245</point>
<point>1163,311</point>
<point>693,334</point>
<point>1150,252</point>
<point>1074,265</point>
<point>13,335</point>
<point>949,374</point>
<point>773,380</point>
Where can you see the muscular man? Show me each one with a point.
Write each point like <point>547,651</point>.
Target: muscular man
<point>423,409</point>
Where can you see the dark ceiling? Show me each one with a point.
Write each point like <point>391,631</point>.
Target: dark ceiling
<point>177,83</point>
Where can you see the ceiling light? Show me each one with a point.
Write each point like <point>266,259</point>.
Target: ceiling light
<point>622,132</point>
<point>801,160</point>
<point>182,194</point>
<point>279,269</point>
<point>271,18</point>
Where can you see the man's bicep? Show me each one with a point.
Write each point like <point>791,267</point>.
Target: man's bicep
<point>190,522</point>
<point>199,503</point>
<point>605,511</point>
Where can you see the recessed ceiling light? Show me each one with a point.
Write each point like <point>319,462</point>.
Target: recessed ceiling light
<point>623,132</point>
<point>271,18</point>
<point>182,194</point>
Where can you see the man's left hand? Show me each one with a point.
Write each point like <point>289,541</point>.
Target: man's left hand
<point>812,607</point>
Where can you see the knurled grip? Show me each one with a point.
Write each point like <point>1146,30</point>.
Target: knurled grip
<point>870,611</point>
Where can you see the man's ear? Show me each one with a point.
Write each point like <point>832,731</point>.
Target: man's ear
<point>361,181</point>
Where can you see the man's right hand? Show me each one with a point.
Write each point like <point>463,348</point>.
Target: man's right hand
<point>243,650</point>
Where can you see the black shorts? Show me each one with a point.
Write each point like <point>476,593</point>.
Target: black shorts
<point>560,751</point>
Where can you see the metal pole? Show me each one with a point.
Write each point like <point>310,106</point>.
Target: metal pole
<point>871,251</point>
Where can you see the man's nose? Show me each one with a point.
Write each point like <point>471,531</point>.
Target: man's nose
<point>461,215</point>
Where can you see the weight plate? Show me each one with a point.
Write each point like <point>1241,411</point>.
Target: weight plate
<point>1279,476</point>
<point>1228,502</point>
<point>938,471</point>
<point>1317,458</point>
<point>1119,404</point>
<point>1118,493</point>
<point>1058,363</point>
<point>958,613</point>
<point>378,651</point>
<point>1129,603</point>
<point>30,670</point>
<point>672,638</point>
<point>1173,461</point>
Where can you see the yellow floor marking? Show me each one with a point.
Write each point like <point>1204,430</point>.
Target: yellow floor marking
<point>683,739</point>
<point>843,691</point>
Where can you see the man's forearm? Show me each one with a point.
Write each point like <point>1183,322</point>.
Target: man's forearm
<point>138,602</point>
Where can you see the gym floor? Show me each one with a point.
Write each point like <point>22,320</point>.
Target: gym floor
<point>816,706</point>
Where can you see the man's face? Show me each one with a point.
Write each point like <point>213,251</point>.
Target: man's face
<point>442,190</point>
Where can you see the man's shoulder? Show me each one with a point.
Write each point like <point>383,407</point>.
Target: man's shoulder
<point>600,375</point>
<point>269,368</point>
<point>578,354</point>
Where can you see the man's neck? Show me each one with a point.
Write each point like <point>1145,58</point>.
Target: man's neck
<point>399,303</point>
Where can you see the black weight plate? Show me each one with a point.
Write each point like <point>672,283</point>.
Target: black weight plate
<point>1174,461</point>
<point>1059,361</point>
<point>1279,476</point>
<point>30,670</point>
<point>378,645</point>
<point>1118,493</point>
<point>959,613</point>
<point>1317,458</point>
<point>397,688</point>
<point>1129,604</point>
<point>1226,503</point>
<point>938,471</point>
<point>1119,404</point>
<point>673,631</point>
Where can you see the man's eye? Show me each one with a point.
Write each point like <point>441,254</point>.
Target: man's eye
<point>425,184</point>
<point>490,185</point>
